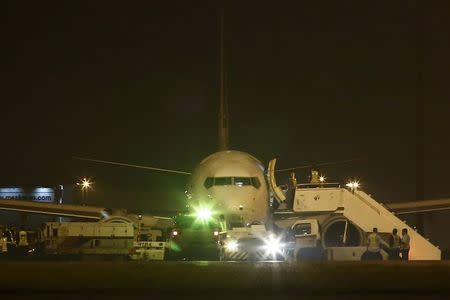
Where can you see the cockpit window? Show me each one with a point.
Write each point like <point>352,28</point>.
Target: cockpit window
<point>209,182</point>
<point>238,181</point>
<point>242,181</point>
<point>255,182</point>
<point>223,180</point>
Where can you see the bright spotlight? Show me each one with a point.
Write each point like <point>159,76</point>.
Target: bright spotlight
<point>273,246</point>
<point>232,246</point>
<point>353,185</point>
<point>204,214</point>
<point>322,178</point>
<point>85,183</point>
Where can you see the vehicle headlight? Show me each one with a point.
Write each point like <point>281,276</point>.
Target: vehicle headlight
<point>232,246</point>
<point>273,245</point>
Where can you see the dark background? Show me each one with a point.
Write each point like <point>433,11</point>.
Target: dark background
<point>308,83</point>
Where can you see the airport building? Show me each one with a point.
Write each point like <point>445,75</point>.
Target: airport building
<point>37,194</point>
<point>41,194</point>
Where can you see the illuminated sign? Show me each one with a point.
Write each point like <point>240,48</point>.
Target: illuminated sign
<point>40,194</point>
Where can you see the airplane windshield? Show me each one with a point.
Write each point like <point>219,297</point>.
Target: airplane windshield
<point>238,181</point>
<point>242,181</point>
<point>222,181</point>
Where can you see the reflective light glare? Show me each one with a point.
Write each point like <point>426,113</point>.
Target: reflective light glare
<point>232,246</point>
<point>322,178</point>
<point>174,233</point>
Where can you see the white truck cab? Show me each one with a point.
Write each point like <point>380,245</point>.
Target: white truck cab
<point>307,242</point>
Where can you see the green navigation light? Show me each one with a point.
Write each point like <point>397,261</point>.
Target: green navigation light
<point>204,214</point>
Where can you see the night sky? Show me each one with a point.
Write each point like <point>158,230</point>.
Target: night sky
<point>307,83</point>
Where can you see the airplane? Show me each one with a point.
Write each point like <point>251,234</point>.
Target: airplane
<point>234,186</point>
<point>235,189</point>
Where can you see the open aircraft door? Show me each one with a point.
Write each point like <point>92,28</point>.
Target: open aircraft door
<point>276,191</point>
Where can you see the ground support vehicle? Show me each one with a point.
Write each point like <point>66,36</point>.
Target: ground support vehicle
<point>307,245</point>
<point>193,239</point>
<point>88,239</point>
<point>150,245</point>
<point>148,250</point>
<point>253,243</point>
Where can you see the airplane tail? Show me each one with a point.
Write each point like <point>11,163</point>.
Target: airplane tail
<point>224,137</point>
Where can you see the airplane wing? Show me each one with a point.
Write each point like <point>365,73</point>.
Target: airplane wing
<point>63,210</point>
<point>130,165</point>
<point>84,212</point>
<point>402,208</point>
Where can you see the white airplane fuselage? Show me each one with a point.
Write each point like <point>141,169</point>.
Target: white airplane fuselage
<point>230,183</point>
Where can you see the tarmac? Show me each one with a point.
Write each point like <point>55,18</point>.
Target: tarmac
<point>224,280</point>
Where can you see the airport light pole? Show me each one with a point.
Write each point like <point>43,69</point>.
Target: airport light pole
<point>85,185</point>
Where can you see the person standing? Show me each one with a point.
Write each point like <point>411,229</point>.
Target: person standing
<point>222,224</point>
<point>290,194</point>
<point>394,245</point>
<point>405,244</point>
<point>374,242</point>
<point>23,241</point>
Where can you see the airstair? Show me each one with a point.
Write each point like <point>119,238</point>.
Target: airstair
<point>363,211</point>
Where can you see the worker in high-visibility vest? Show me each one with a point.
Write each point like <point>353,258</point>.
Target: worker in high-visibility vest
<point>374,242</point>
<point>3,241</point>
<point>23,239</point>
<point>222,223</point>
